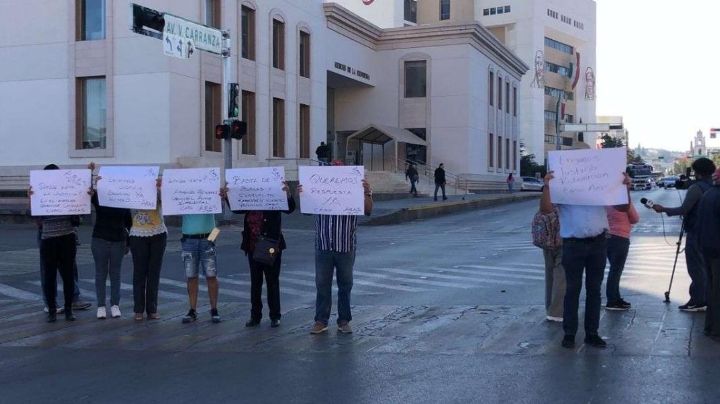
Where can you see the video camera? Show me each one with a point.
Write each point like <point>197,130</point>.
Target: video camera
<point>685,181</point>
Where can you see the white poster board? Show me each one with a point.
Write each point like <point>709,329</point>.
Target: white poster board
<point>191,191</point>
<point>258,188</point>
<point>129,187</point>
<point>588,177</point>
<point>332,190</point>
<point>60,192</point>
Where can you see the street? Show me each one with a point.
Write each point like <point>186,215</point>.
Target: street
<point>448,309</point>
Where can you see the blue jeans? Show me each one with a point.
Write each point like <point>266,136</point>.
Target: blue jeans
<point>617,252</point>
<point>587,255</point>
<point>325,264</point>
<point>198,255</point>
<point>696,269</point>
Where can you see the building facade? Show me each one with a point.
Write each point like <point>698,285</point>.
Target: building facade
<point>620,134</point>
<point>348,72</point>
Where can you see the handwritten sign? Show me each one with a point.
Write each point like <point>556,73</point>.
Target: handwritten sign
<point>191,191</point>
<point>60,192</point>
<point>588,177</point>
<point>332,190</point>
<point>256,188</point>
<point>130,187</point>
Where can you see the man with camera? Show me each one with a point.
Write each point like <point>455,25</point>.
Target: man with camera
<point>704,168</point>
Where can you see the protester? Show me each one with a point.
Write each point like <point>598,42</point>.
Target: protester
<point>546,235</point>
<point>621,218</point>
<point>335,245</point>
<point>708,232</point>
<point>704,169</point>
<point>412,175</point>
<point>78,302</point>
<point>510,182</point>
<point>584,249</point>
<point>57,253</point>
<point>323,153</point>
<point>440,181</point>
<point>109,245</point>
<point>148,238</point>
<point>265,225</point>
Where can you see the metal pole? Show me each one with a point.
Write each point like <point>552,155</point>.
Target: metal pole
<point>227,143</point>
<point>557,122</point>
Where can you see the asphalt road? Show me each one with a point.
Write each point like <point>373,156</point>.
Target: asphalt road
<point>445,310</point>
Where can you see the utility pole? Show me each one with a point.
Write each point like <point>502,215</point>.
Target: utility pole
<point>557,121</point>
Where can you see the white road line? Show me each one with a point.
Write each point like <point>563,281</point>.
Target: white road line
<point>369,283</point>
<point>203,288</point>
<point>474,276</point>
<point>283,289</point>
<point>161,293</point>
<point>497,273</point>
<point>507,269</point>
<point>19,293</point>
<point>83,292</point>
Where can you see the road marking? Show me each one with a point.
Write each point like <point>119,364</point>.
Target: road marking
<point>18,293</point>
<point>369,283</point>
<point>161,293</point>
<point>203,288</point>
<point>473,275</point>
<point>283,289</point>
<point>83,292</point>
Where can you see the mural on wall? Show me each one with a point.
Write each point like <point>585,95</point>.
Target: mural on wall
<point>539,79</point>
<point>589,84</point>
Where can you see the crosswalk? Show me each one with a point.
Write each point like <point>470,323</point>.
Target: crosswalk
<point>518,264</point>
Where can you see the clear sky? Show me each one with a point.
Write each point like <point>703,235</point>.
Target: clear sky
<point>659,67</point>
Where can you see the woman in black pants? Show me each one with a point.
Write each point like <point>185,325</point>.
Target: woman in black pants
<point>265,224</point>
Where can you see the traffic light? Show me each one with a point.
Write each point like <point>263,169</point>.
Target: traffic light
<point>233,101</point>
<point>238,129</point>
<point>222,131</point>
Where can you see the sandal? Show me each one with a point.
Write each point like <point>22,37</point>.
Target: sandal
<point>138,317</point>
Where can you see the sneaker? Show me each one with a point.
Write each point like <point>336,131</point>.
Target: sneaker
<point>69,316</point>
<point>318,328</point>
<point>80,305</point>
<point>616,305</point>
<point>625,303</point>
<point>189,317</point>
<point>138,317</point>
<point>115,311</point>
<point>595,341</point>
<point>101,313</point>
<point>692,307</point>
<point>275,323</point>
<point>52,317</point>
<point>555,319</point>
<point>252,323</point>
<point>214,316</point>
<point>568,341</point>
<point>59,310</point>
<point>344,328</point>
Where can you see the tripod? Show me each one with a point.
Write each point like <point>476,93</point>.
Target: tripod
<point>677,253</point>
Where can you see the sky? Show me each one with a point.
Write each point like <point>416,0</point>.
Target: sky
<point>658,66</point>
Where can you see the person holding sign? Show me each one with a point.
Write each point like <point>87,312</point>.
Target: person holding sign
<point>263,243</point>
<point>335,243</point>
<point>148,238</point>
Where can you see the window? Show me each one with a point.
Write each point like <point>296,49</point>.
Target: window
<point>561,70</point>
<point>415,79</point>
<point>507,97</point>
<point>212,13</point>
<point>278,45</point>
<point>91,113</point>
<point>304,54</point>
<point>550,139</point>
<point>556,92</point>
<point>514,101</point>
<point>499,93</point>
<point>248,116</point>
<point>491,150</point>
<point>499,151</point>
<point>248,33</point>
<point>486,11</point>
<point>304,129</point>
<point>567,141</point>
<point>278,128</point>
<point>444,9</point>
<point>411,10</point>
<point>91,17</point>
<point>551,43</point>
<point>569,118</point>
<point>213,116</point>
<point>493,11</point>
<point>491,88</point>
<point>515,155</point>
<point>500,10</point>
<point>550,116</point>
<point>507,153</point>
<point>507,9</point>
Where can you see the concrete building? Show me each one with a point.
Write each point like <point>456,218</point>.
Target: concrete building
<point>359,74</point>
<point>557,39</point>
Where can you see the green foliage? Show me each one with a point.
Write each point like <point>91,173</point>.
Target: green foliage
<point>611,142</point>
<point>528,166</point>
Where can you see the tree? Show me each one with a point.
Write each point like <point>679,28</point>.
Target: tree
<point>528,165</point>
<point>610,142</point>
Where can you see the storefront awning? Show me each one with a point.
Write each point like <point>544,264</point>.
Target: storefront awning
<point>380,134</point>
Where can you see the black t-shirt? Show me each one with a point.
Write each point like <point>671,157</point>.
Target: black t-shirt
<point>111,224</point>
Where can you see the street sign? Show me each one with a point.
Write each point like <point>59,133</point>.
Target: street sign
<point>146,21</point>
<point>589,127</point>
<point>177,46</point>
<point>202,37</point>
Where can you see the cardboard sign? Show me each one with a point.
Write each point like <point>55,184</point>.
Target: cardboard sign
<point>129,187</point>
<point>60,192</point>
<point>256,188</point>
<point>191,191</point>
<point>332,190</point>
<point>588,177</point>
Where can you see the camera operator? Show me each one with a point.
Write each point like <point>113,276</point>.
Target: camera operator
<point>709,234</point>
<point>704,168</point>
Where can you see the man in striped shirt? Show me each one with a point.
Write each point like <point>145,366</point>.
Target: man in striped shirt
<point>335,243</point>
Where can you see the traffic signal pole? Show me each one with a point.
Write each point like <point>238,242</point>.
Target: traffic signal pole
<point>227,71</point>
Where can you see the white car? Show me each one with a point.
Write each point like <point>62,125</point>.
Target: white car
<point>531,184</point>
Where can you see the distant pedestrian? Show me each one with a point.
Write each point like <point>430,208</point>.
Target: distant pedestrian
<point>412,175</point>
<point>621,218</point>
<point>546,235</point>
<point>109,246</point>
<point>709,236</point>
<point>263,229</point>
<point>440,181</point>
<point>148,239</point>
<point>323,154</point>
<point>510,183</point>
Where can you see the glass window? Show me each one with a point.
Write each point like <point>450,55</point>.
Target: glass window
<point>551,43</point>
<point>514,101</point>
<point>500,10</point>
<point>212,13</point>
<point>213,116</point>
<point>507,97</point>
<point>248,33</point>
<point>507,153</point>
<point>248,116</point>
<point>304,54</point>
<point>92,20</point>
<point>92,112</point>
<point>491,150</point>
<point>515,155</point>
<point>486,11</point>
<point>499,151</point>
<point>304,131</point>
<point>444,9</point>
<point>499,95</point>
<point>278,129</point>
<point>278,45</point>
<point>493,11</point>
<point>491,88</point>
<point>507,9</point>
<point>415,79</point>
<point>411,10</point>
<point>550,116</point>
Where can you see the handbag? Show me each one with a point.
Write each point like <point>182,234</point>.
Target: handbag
<point>266,250</point>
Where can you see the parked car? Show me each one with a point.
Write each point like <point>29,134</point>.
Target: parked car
<point>531,184</point>
<point>668,182</point>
